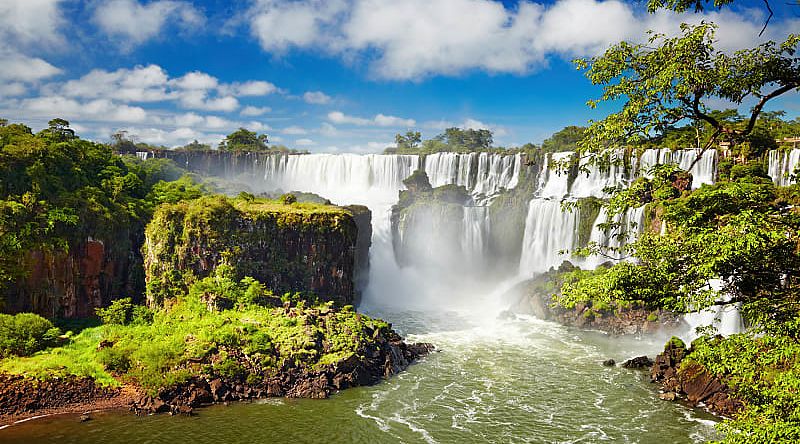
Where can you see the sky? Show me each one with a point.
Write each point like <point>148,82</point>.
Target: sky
<point>327,75</point>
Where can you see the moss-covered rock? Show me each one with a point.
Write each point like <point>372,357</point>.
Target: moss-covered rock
<point>290,247</point>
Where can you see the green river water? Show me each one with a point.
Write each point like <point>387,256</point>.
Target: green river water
<point>492,381</point>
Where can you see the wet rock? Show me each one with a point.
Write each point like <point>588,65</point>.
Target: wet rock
<point>609,363</point>
<point>639,362</point>
<point>668,396</point>
<point>84,417</point>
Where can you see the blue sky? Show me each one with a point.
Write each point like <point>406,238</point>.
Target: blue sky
<point>332,75</point>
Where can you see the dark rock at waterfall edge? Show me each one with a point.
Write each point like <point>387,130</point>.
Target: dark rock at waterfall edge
<point>381,359</point>
<point>609,363</point>
<point>691,382</point>
<point>639,362</point>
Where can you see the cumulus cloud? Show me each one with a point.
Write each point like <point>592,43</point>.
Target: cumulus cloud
<point>31,22</point>
<point>378,120</point>
<point>99,110</point>
<point>136,23</point>
<point>253,111</point>
<point>316,97</point>
<point>194,90</point>
<point>21,68</point>
<point>413,39</point>
<point>294,130</point>
<point>304,142</point>
<point>279,24</point>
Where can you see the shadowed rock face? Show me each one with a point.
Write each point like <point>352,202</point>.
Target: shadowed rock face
<point>287,250</point>
<point>71,284</point>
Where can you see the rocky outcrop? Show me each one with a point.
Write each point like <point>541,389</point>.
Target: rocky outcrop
<point>691,381</point>
<point>73,283</point>
<point>288,247</point>
<point>22,396</point>
<point>535,297</point>
<point>363,219</point>
<point>385,356</point>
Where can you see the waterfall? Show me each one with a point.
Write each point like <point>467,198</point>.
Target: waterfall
<point>593,182</point>
<point>630,222</point>
<point>487,177</point>
<point>340,176</point>
<point>548,230</point>
<point>703,172</point>
<point>474,233</point>
<point>552,181</point>
<point>782,165</point>
<point>727,319</point>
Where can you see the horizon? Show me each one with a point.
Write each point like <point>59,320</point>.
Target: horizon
<point>342,76</point>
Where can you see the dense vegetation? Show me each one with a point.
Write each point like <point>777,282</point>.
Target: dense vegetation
<point>58,189</point>
<point>736,241</point>
<point>250,339</point>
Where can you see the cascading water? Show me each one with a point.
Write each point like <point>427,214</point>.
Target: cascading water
<point>548,231</point>
<point>703,172</point>
<point>593,182</point>
<point>480,173</point>
<point>781,166</point>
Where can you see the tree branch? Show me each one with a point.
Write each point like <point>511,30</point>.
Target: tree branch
<point>766,3</point>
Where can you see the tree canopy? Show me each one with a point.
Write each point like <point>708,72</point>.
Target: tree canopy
<point>674,79</point>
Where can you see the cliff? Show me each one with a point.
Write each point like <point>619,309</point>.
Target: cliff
<point>289,247</point>
<point>72,283</point>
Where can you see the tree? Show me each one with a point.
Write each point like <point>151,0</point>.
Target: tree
<point>244,140</point>
<point>470,139</point>
<point>410,140</point>
<point>672,79</point>
<point>564,140</point>
<point>197,146</point>
<point>58,130</point>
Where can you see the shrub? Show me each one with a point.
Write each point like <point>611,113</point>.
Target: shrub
<point>125,312</point>
<point>24,334</point>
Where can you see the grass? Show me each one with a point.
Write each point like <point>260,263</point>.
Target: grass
<point>186,339</point>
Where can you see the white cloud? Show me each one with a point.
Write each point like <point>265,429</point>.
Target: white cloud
<point>294,130</point>
<point>251,88</point>
<point>379,120</point>
<point>280,24</point>
<point>304,142</point>
<point>100,110</point>
<point>316,97</point>
<point>171,137</point>
<point>12,89</point>
<point>470,123</point>
<point>140,84</point>
<point>31,22</point>
<point>136,23</point>
<point>413,39</point>
<point>328,130</point>
<point>196,80</point>
<point>19,67</point>
<point>253,111</point>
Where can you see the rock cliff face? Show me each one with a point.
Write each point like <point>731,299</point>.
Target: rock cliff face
<point>298,247</point>
<point>691,381</point>
<point>71,284</point>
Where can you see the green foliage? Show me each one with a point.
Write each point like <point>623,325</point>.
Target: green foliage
<point>58,190</point>
<point>125,312</point>
<point>565,139</point>
<point>250,235</point>
<point>25,333</point>
<point>410,140</point>
<point>186,339</point>
<point>244,140</point>
<point>764,373</point>
<point>672,79</point>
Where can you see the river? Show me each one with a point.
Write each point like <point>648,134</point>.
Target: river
<point>491,381</point>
